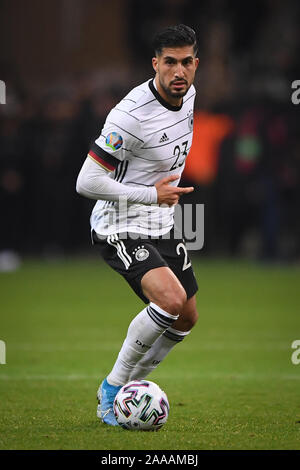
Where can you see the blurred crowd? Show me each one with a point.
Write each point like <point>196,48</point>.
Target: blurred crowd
<point>247,137</point>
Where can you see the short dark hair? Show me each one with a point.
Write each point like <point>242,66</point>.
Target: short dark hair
<point>175,36</point>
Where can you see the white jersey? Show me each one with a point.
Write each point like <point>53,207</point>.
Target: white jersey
<point>144,139</point>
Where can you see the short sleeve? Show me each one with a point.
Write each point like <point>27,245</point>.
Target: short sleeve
<point>120,136</point>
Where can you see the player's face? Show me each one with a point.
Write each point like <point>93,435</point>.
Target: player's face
<point>175,72</point>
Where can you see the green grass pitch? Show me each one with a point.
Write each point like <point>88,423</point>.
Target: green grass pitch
<point>231,384</point>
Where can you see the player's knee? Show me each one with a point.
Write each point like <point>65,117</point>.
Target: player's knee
<point>174,301</point>
<point>191,320</point>
<point>187,319</point>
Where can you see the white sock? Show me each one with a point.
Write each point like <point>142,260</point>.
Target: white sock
<point>157,353</point>
<point>143,331</point>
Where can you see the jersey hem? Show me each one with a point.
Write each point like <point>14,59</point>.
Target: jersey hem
<point>137,230</point>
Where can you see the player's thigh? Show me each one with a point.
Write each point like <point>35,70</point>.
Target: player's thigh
<point>175,253</point>
<point>161,286</point>
<point>132,257</point>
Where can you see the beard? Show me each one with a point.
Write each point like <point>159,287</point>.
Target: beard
<point>174,94</point>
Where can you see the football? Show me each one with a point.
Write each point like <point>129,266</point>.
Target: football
<point>141,405</point>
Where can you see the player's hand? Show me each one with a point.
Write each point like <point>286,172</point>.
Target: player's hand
<point>167,194</point>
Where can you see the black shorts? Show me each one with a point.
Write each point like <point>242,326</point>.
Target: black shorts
<point>133,256</point>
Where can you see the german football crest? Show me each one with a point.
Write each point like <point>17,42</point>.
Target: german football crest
<point>114,140</point>
<point>191,121</point>
<point>141,253</point>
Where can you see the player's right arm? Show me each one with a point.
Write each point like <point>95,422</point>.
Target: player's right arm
<point>112,147</point>
<point>120,136</point>
<point>94,182</point>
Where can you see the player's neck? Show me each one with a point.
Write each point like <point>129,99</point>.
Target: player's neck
<point>169,99</point>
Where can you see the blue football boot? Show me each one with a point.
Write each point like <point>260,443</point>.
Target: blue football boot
<point>105,396</point>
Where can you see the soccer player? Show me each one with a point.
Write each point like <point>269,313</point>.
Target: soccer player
<point>133,170</point>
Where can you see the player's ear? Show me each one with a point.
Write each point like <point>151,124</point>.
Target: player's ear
<point>154,63</point>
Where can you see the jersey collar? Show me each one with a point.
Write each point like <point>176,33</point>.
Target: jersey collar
<point>161,100</point>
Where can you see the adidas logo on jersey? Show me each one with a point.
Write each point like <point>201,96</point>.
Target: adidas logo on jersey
<point>164,138</point>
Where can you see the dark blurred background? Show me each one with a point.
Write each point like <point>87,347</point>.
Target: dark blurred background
<point>65,63</point>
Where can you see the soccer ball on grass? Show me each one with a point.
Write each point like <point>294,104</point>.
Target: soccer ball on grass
<point>141,405</point>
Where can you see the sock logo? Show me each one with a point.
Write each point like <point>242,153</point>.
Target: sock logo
<point>139,343</point>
